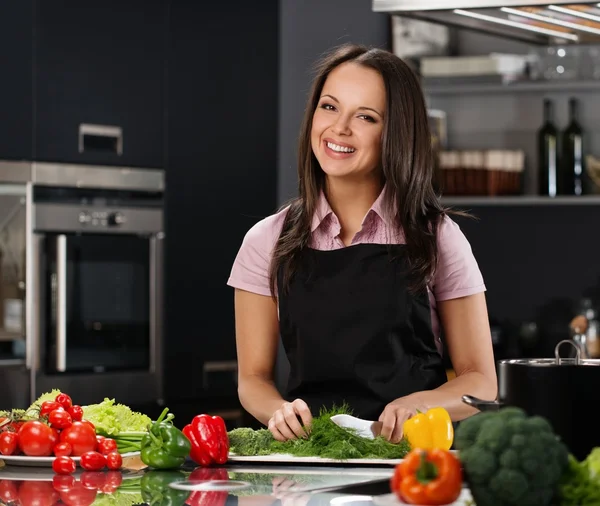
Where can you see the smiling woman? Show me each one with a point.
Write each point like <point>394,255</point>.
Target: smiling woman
<point>364,271</point>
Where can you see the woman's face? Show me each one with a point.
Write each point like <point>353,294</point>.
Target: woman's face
<point>348,123</point>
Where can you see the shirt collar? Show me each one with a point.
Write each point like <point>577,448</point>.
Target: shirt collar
<point>324,210</point>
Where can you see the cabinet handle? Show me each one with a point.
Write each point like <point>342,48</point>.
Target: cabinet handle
<point>100,138</point>
<point>61,303</point>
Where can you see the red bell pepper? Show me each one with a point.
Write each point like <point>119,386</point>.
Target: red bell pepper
<point>210,443</point>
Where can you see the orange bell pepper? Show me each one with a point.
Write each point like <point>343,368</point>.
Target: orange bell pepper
<point>429,430</point>
<point>428,477</point>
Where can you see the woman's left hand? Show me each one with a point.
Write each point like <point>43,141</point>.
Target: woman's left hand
<point>395,414</point>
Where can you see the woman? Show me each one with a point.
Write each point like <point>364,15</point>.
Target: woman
<point>362,272</point>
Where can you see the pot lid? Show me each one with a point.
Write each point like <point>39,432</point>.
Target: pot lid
<point>557,360</point>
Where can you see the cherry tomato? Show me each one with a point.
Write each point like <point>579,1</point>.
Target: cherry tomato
<point>76,412</point>
<point>94,480</point>
<point>64,400</point>
<point>7,425</point>
<point>62,482</point>
<point>8,442</point>
<point>48,407</point>
<point>8,491</point>
<point>36,439</point>
<point>114,460</point>
<point>60,419</point>
<point>37,493</point>
<point>81,437</point>
<point>78,495</point>
<point>63,449</point>
<point>100,438</point>
<point>92,461</point>
<point>107,445</point>
<point>63,465</point>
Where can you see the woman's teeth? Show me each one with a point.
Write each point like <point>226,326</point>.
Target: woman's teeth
<point>339,149</point>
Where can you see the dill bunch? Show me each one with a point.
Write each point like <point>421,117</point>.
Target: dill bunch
<point>326,440</point>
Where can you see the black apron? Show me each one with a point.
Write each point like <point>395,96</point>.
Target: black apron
<point>353,333</point>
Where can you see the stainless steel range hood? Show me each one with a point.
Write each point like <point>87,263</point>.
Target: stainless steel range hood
<point>532,21</point>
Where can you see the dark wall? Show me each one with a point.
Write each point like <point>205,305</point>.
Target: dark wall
<point>308,29</point>
<point>221,174</point>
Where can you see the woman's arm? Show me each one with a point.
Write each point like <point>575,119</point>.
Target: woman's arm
<point>257,335</point>
<point>468,337</point>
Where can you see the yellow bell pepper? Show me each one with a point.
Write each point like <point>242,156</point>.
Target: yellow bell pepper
<point>429,430</point>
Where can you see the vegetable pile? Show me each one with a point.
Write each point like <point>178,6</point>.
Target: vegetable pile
<point>326,440</point>
<point>54,426</point>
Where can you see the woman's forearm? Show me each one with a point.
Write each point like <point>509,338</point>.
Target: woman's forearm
<point>449,395</point>
<point>259,397</point>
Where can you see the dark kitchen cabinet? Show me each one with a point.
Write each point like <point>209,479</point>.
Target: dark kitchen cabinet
<point>16,59</point>
<point>221,177</point>
<point>100,64</point>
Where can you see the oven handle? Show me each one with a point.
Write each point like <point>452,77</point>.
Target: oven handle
<point>61,303</point>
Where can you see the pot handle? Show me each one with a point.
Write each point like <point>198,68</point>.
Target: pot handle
<point>480,404</point>
<point>573,343</point>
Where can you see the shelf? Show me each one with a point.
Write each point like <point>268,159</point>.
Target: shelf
<point>10,336</point>
<point>522,200</point>
<point>516,87</point>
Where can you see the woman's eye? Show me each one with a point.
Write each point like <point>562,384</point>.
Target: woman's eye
<point>327,107</point>
<point>368,118</point>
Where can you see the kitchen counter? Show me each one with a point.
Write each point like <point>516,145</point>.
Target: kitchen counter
<point>235,484</point>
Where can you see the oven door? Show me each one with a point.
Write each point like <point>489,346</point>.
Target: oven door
<point>97,307</point>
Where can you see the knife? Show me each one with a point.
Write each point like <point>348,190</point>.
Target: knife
<point>363,428</point>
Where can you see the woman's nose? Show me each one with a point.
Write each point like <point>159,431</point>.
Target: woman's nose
<point>342,126</point>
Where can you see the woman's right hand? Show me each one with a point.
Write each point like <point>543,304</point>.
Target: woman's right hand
<point>284,424</point>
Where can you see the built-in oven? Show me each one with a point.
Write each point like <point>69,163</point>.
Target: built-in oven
<point>94,285</point>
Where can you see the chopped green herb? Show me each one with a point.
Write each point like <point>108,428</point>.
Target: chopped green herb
<point>326,439</point>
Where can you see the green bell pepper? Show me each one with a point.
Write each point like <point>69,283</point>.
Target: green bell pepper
<point>157,492</point>
<point>164,446</point>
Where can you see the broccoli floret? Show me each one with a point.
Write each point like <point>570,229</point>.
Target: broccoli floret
<point>246,441</point>
<point>510,458</point>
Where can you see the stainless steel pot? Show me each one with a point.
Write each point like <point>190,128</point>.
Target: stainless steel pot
<point>562,390</point>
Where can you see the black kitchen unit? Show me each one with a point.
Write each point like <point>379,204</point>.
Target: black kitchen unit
<point>99,82</point>
<point>16,60</point>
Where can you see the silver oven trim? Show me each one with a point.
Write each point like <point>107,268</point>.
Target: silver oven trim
<point>61,303</point>
<point>97,220</point>
<point>156,311</point>
<point>82,176</point>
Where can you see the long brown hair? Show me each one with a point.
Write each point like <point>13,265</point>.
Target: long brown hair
<point>407,164</point>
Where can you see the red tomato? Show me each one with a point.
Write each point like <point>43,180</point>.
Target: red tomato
<point>63,482</point>
<point>81,437</point>
<point>8,442</point>
<point>92,461</point>
<point>48,407</point>
<point>60,419</point>
<point>63,465</point>
<point>64,400</point>
<point>87,422</point>
<point>114,460</point>
<point>100,438</point>
<point>107,445</point>
<point>94,480</point>
<point>78,495</point>
<point>63,449</point>
<point>36,439</point>
<point>37,493</point>
<point>8,491</point>
<point>76,412</point>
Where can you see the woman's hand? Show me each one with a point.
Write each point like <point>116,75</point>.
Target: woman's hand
<point>395,414</point>
<point>284,423</point>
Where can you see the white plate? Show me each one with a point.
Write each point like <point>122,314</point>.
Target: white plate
<point>465,499</point>
<point>24,460</point>
<point>282,458</point>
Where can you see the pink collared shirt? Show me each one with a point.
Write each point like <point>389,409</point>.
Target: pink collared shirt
<point>457,273</point>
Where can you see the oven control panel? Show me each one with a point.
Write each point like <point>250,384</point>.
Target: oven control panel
<point>101,218</point>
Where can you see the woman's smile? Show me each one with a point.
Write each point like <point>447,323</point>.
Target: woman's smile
<point>338,150</point>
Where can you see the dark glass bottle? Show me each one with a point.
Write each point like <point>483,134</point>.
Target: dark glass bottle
<point>547,139</point>
<point>572,156</point>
